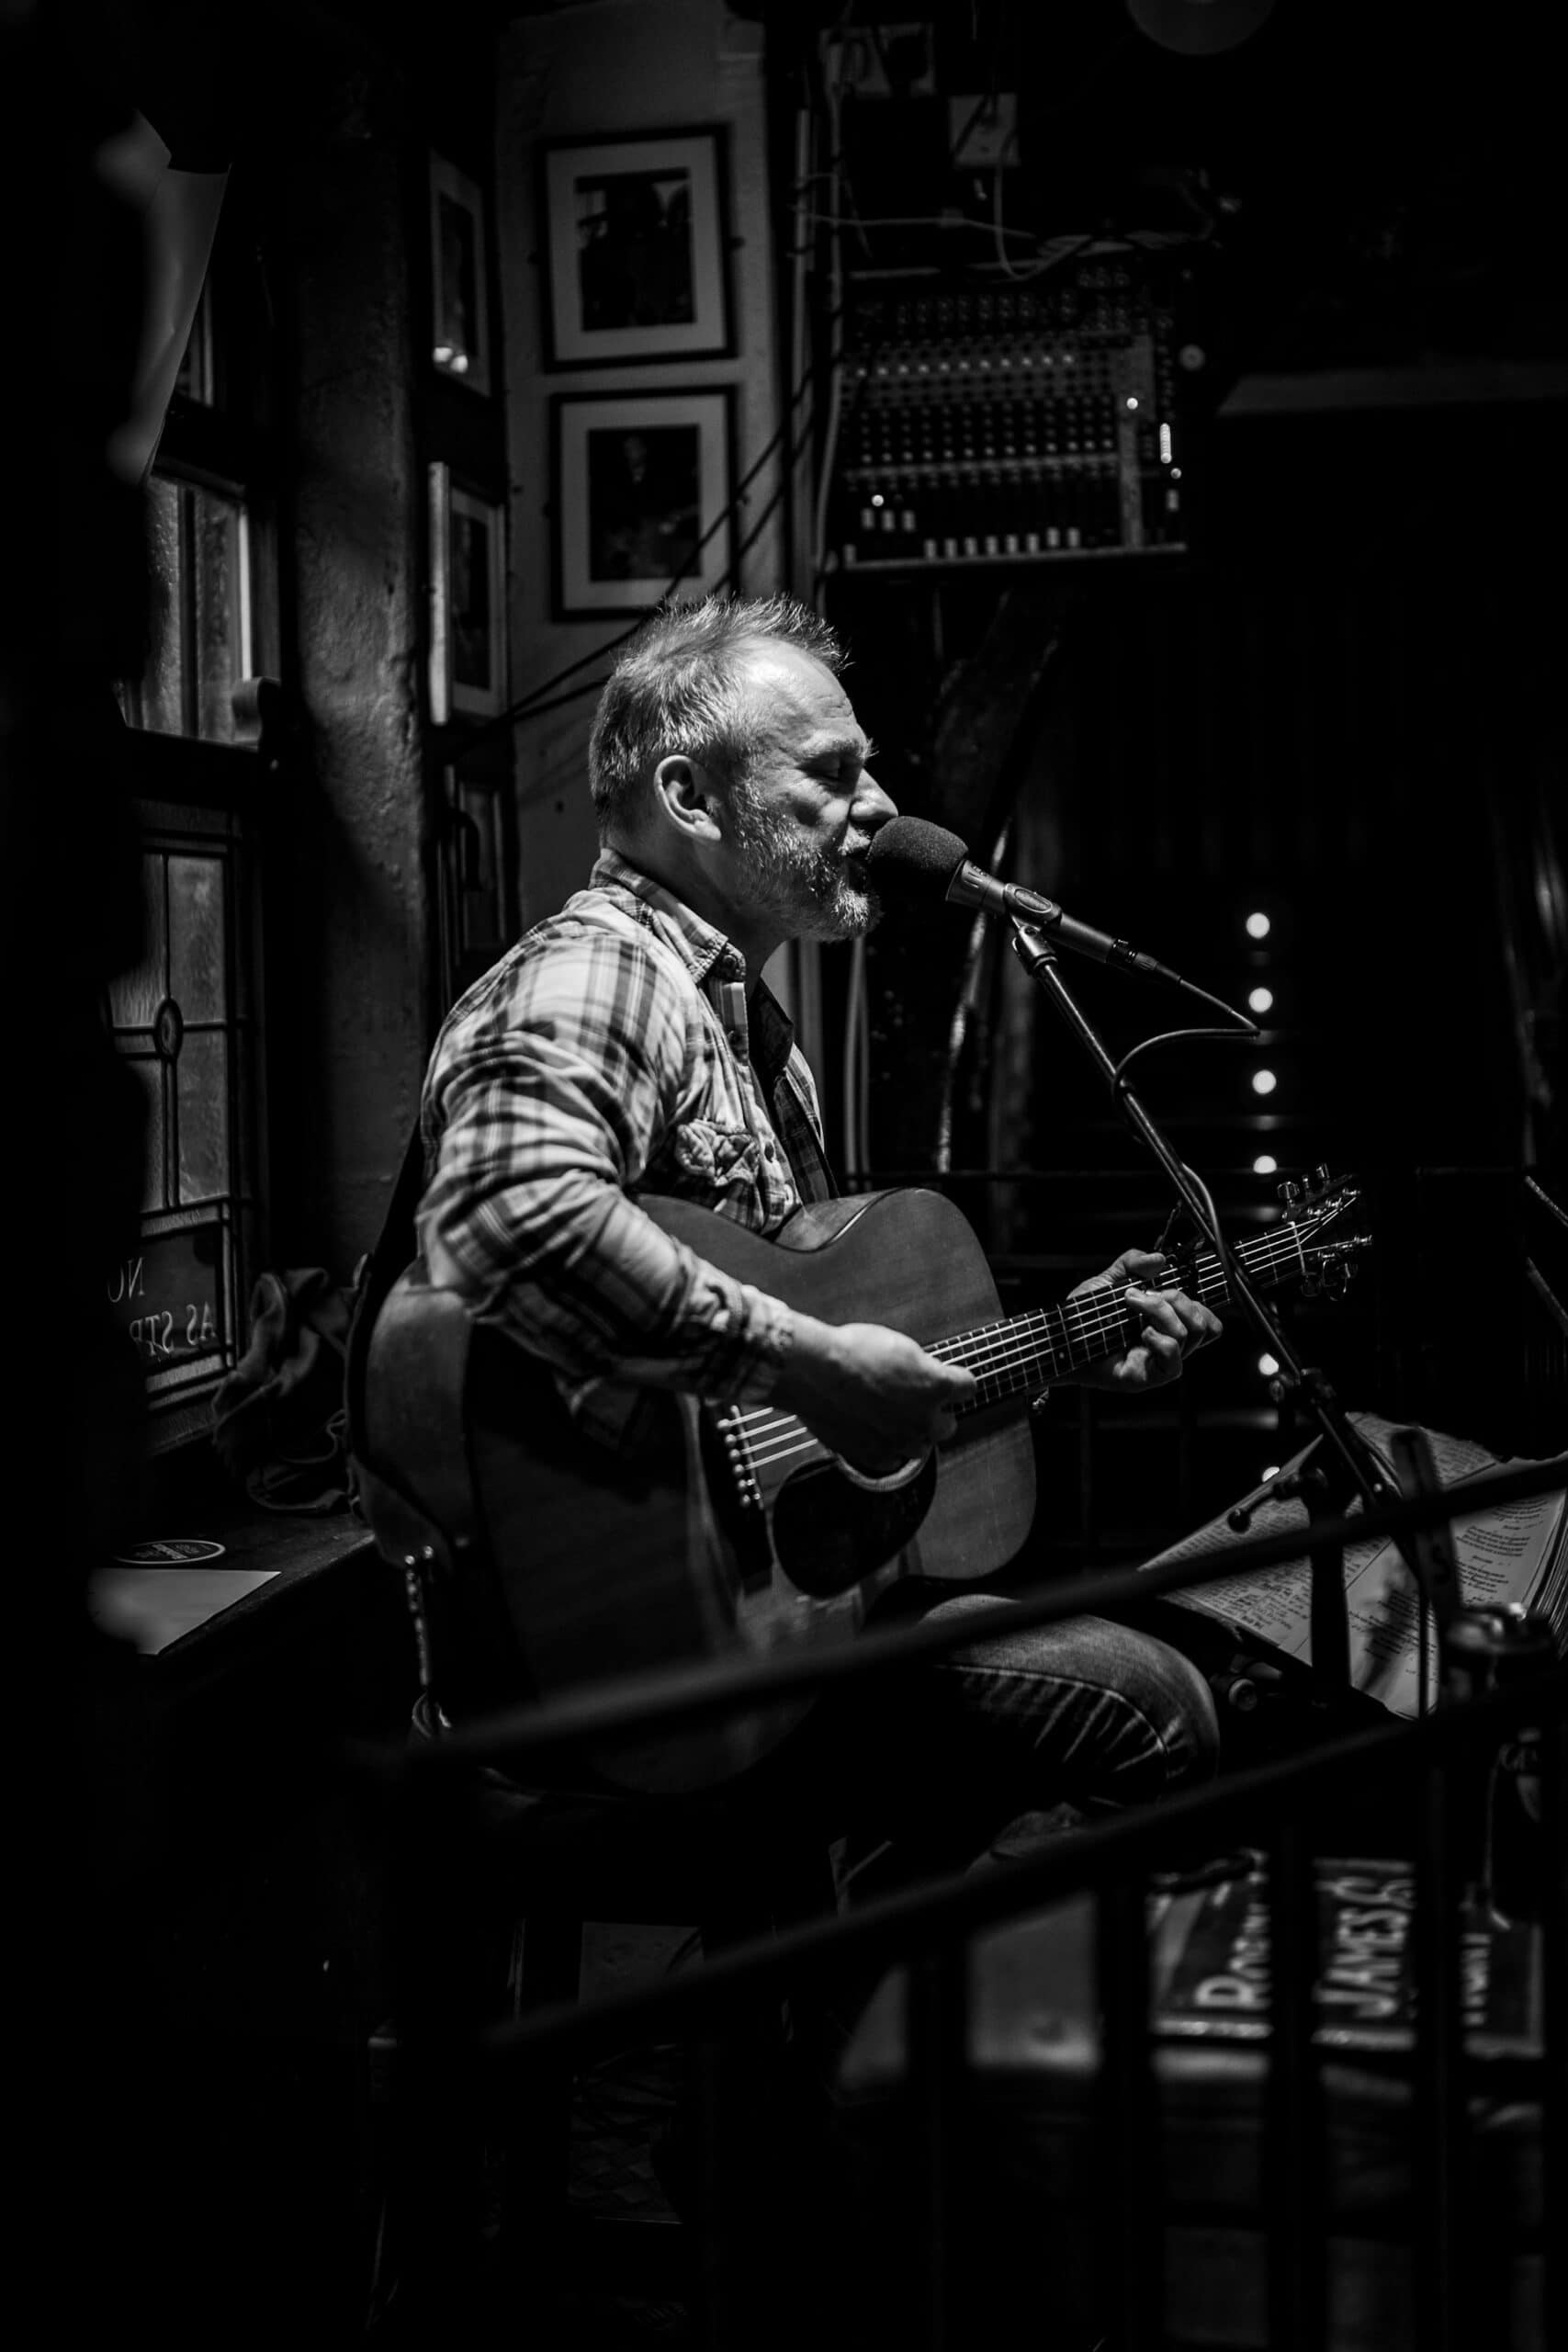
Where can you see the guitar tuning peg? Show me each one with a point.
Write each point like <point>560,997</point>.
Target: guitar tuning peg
<point>1317,1183</point>
<point>1289,1192</point>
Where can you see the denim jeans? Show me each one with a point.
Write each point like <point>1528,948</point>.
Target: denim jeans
<point>986,1748</point>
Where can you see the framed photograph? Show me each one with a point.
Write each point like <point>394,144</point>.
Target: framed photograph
<point>641,498</point>
<point>476,899</point>
<point>636,250</point>
<point>459,278</point>
<point>468,603</point>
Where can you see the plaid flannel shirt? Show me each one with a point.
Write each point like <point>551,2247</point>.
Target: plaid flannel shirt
<point>611,1054</point>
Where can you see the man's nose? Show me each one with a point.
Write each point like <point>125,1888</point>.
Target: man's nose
<point>872,806</point>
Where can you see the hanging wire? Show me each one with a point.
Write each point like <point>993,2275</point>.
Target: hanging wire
<point>834,100</point>
<point>964,1009</point>
<point>1170,1037</point>
<point>856,1154</point>
<point>532,704</point>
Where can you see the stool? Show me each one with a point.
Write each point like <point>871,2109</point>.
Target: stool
<point>731,1866</point>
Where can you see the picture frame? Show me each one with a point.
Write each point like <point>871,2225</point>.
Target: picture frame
<point>459,277</point>
<point>476,899</point>
<point>467,602</point>
<point>636,248</point>
<point>640,497</point>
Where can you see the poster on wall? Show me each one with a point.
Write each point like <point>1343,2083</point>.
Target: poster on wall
<point>641,484</point>
<point>636,249</point>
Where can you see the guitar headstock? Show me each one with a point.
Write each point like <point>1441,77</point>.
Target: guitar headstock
<point>1312,1204</point>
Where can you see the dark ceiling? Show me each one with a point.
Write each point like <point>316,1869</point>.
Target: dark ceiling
<point>1371,184</point>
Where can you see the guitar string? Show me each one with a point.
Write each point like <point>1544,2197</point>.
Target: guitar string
<point>1092,1314</point>
<point>1000,1358</point>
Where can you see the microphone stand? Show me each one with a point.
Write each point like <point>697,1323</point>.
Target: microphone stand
<point>1348,1465</point>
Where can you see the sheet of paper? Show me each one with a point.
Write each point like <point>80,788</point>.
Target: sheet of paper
<point>1504,1554</point>
<point>152,1607</point>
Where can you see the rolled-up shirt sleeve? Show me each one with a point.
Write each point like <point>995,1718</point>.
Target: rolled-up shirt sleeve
<point>548,1092</point>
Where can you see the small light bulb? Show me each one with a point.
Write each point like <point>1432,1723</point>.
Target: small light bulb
<point>1265,1164</point>
<point>1261,1001</point>
<point>878,499</point>
<point>1257,926</point>
<point>1268,1365</point>
<point>1270,1470</point>
<point>459,363</point>
<point>1264,1082</point>
<point>443,354</point>
<point>1132,400</point>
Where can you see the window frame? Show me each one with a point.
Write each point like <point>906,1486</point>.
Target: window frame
<point>226,447</point>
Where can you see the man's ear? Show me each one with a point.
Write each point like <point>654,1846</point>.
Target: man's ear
<point>683,797</point>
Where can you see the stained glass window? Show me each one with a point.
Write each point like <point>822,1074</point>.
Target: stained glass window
<point>187,1020</point>
<point>183,1022</point>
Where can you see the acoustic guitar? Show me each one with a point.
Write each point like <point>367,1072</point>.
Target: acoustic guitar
<point>713,1530</point>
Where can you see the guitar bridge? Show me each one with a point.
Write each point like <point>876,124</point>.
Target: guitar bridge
<point>730,1425</point>
<point>736,1493</point>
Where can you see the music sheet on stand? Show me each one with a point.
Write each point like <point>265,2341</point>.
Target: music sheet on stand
<point>1506,1555</point>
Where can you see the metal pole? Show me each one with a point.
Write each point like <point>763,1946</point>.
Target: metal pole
<point>1437,2106</point>
<point>1131,2266</point>
<point>1295,2150</point>
<point>936,2037</point>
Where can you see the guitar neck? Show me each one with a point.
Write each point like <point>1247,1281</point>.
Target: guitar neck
<point>1025,1352</point>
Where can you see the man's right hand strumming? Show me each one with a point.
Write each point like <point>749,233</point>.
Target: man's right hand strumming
<point>869,1394</point>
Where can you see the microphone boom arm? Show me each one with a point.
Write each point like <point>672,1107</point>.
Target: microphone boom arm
<point>971,886</point>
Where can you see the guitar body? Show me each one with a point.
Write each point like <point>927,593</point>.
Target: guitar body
<point>709,1532</point>
<point>713,1531</point>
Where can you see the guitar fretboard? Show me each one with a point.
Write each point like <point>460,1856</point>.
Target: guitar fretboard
<point>1024,1352</point>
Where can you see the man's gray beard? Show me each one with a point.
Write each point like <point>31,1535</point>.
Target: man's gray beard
<point>814,895</point>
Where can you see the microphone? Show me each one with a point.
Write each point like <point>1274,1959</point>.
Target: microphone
<point>918,863</point>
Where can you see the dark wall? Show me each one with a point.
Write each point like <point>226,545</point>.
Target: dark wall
<point>1340,707</point>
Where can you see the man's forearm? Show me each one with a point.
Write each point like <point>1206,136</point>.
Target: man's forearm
<point>585,1281</point>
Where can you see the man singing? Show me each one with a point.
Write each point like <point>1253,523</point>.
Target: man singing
<point>629,1047</point>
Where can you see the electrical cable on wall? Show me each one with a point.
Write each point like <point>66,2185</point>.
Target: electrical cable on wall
<point>834,98</point>
<point>856,1041</point>
<point>964,1012</point>
<point>530,706</point>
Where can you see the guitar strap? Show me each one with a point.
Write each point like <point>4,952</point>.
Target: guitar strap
<point>396,1246</point>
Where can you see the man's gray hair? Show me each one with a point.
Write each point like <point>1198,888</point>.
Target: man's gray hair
<point>677,686</point>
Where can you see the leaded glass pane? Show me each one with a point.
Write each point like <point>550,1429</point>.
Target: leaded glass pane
<point>159,702</point>
<point>195,938</point>
<point>134,997</point>
<point>202,1110</point>
<point>218,659</point>
<point>200,613</point>
<point>149,1076</point>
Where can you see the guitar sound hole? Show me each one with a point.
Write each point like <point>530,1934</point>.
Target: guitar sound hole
<point>828,1532</point>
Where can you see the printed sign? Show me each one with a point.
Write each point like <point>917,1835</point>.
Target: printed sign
<point>169,1297</point>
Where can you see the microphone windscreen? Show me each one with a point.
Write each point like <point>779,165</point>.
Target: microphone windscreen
<point>910,859</point>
